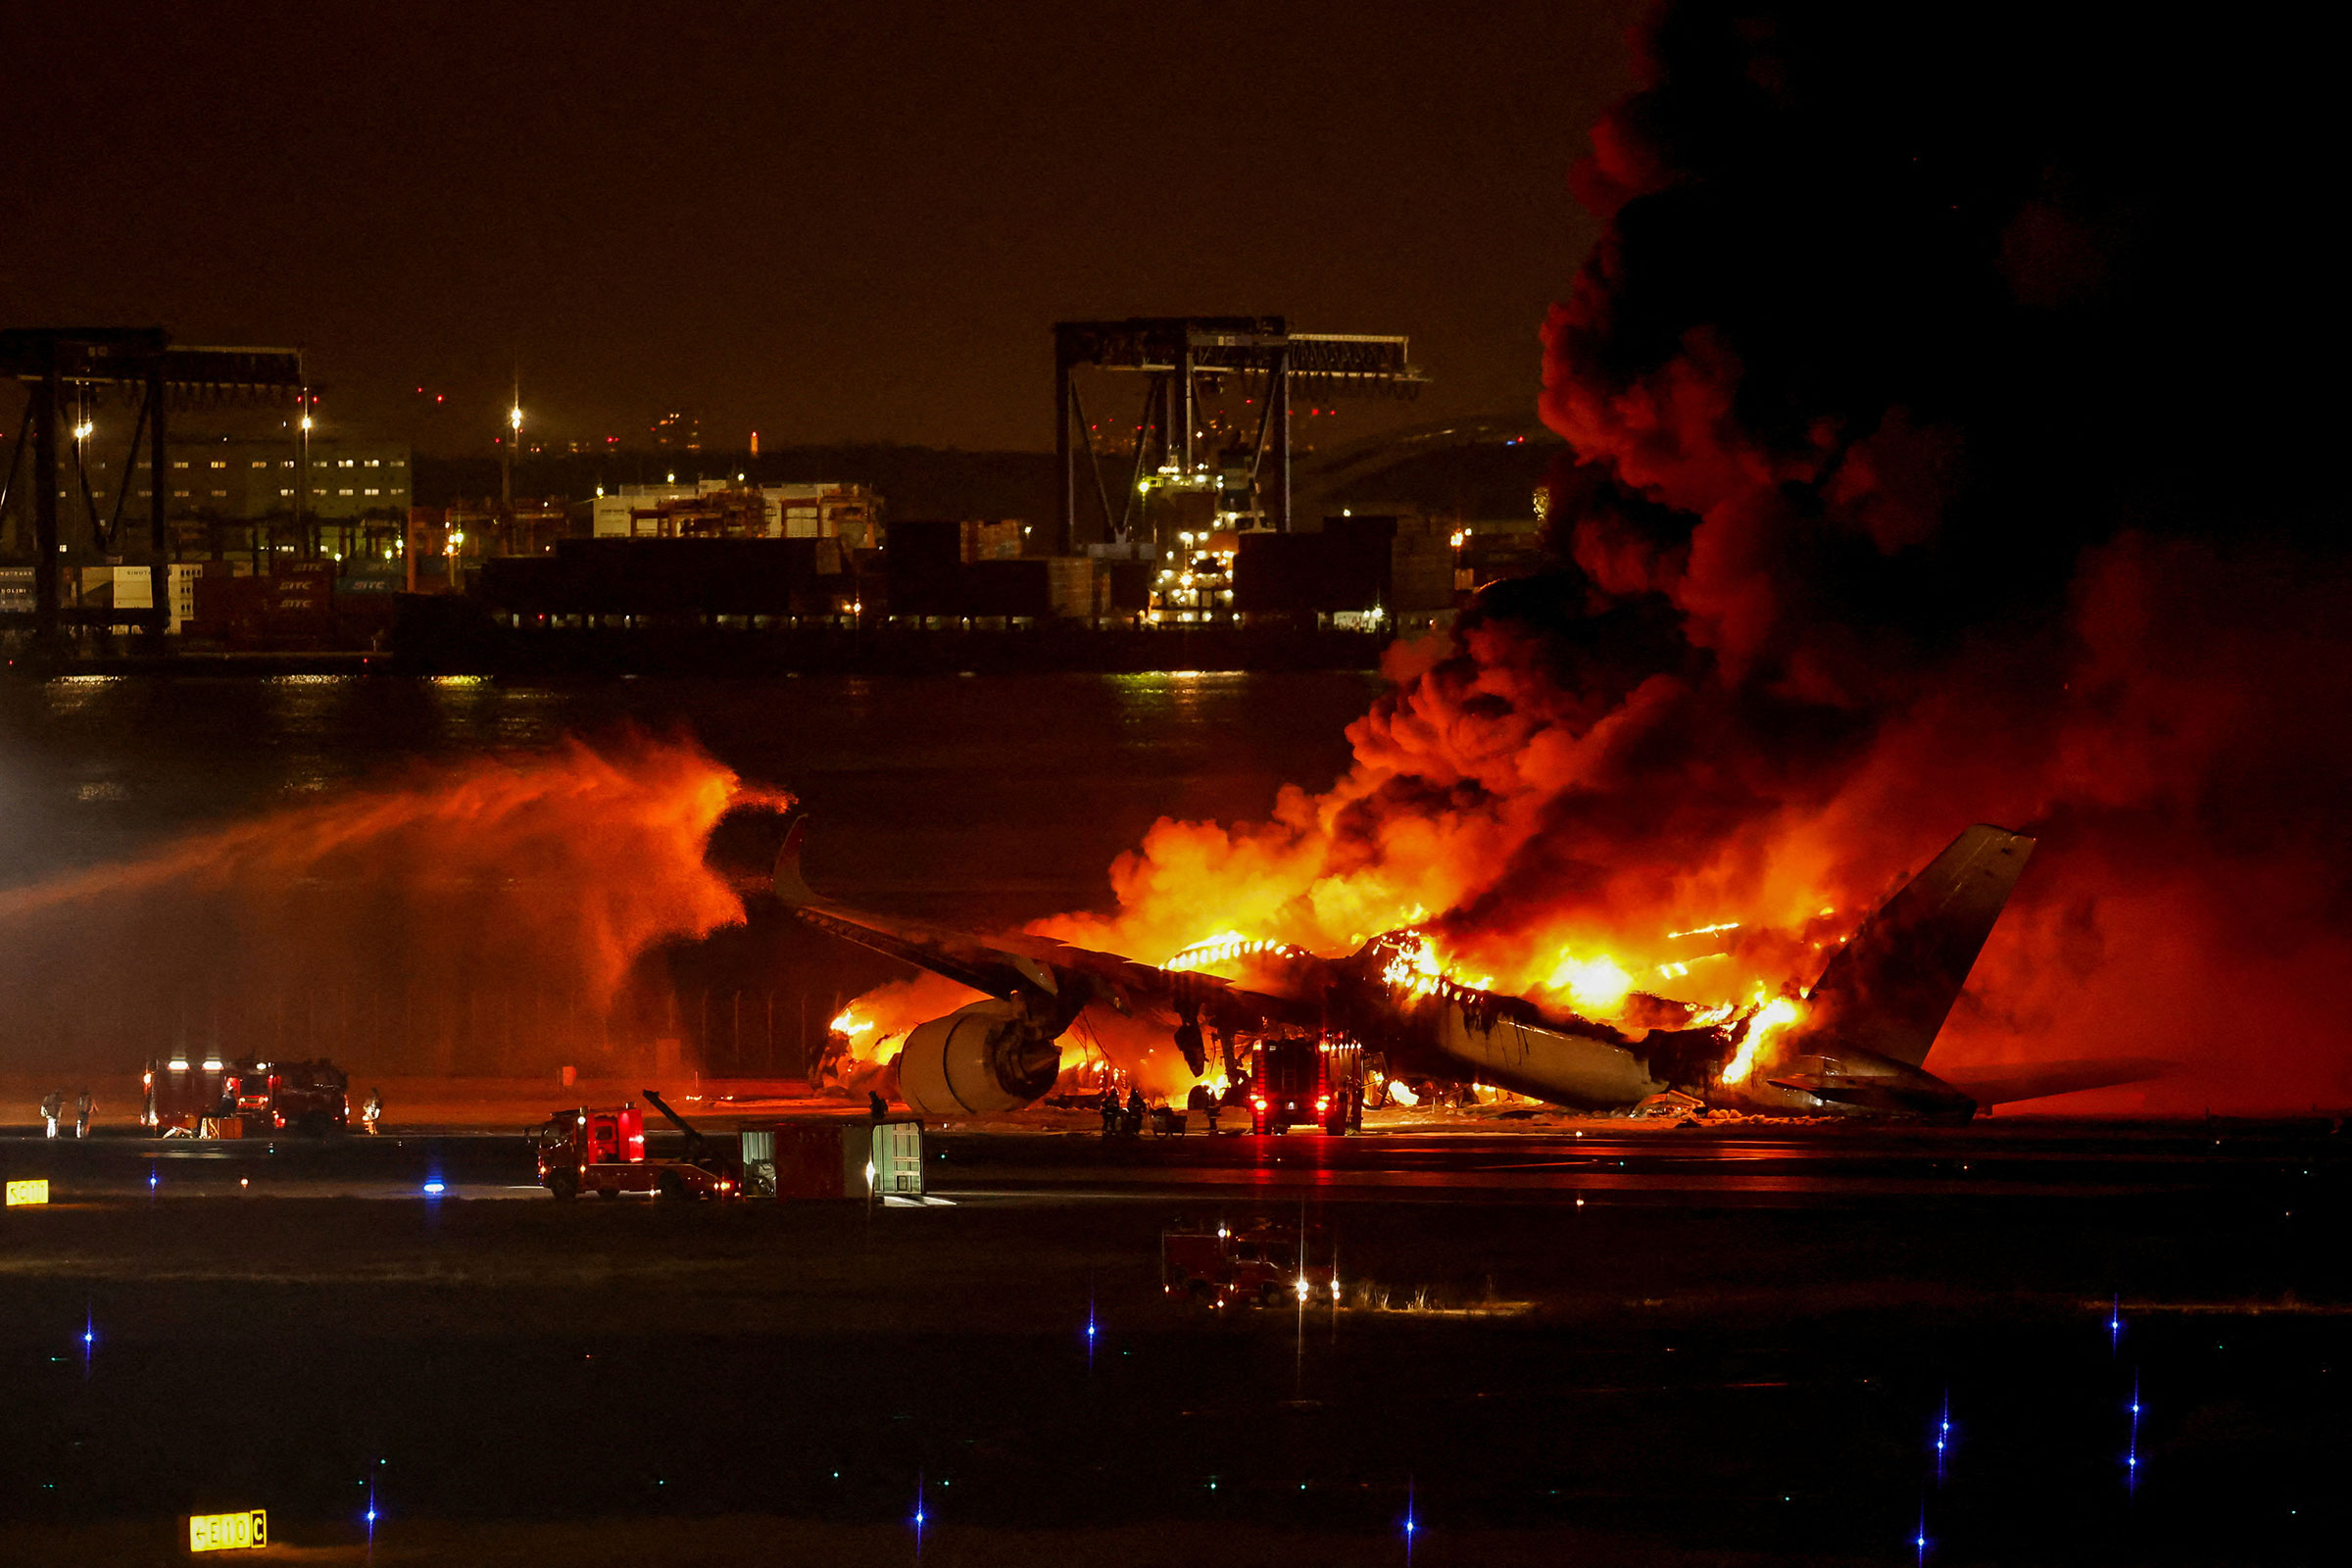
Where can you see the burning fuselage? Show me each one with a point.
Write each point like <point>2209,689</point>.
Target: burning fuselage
<point>1853,1043</point>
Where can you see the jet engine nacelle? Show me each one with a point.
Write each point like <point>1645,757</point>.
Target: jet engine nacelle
<point>978,1060</point>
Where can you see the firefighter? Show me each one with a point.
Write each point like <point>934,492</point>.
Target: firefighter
<point>1135,1112</point>
<point>52,1108</point>
<point>83,1108</point>
<point>371,1110</point>
<point>1109,1106</point>
<point>877,1108</point>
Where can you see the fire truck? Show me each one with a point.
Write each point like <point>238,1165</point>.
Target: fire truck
<point>602,1152</point>
<point>216,1099</point>
<point>1261,1264</point>
<point>1306,1080</point>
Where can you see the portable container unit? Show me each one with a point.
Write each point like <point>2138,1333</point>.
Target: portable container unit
<point>836,1159</point>
<point>182,1094</point>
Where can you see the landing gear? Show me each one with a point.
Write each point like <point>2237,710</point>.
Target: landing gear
<point>1195,1052</point>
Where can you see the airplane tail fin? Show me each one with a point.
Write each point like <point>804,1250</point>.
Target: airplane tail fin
<point>790,885</point>
<point>1889,988</point>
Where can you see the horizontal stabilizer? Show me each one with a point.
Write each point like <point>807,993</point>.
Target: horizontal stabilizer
<point>2033,1082</point>
<point>1888,989</point>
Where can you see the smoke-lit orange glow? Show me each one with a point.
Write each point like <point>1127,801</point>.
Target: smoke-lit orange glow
<point>478,918</point>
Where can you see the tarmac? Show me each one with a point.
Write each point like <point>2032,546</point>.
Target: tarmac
<point>1559,1339</point>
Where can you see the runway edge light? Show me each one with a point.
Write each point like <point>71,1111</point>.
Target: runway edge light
<point>246,1529</point>
<point>36,1191</point>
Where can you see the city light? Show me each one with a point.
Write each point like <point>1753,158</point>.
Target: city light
<point>84,430</point>
<point>515,416</point>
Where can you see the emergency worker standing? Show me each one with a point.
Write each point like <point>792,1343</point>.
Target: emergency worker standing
<point>373,1111</point>
<point>53,1107</point>
<point>84,1108</point>
<point>1135,1112</point>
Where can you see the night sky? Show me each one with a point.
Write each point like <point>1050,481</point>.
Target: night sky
<point>825,222</point>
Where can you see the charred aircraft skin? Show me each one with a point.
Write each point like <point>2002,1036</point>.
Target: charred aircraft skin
<point>1437,1029</point>
<point>1873,1014</point>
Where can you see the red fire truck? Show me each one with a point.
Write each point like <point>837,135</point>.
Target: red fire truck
<point>216,1098</point>
<point>1261,1264</point>
<point>602,1152</point>
<point>1306,1080</point>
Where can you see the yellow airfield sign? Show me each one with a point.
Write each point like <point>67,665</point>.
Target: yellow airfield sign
<point>33,1192</point>
<point>228,1532</point>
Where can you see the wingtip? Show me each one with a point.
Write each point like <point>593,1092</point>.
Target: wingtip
<point>790,885</point>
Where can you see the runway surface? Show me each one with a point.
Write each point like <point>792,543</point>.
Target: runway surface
<point>1556,1343</point>
<point>1602,1160</point>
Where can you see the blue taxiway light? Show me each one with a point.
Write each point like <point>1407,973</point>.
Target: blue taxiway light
<point>436,1189</point>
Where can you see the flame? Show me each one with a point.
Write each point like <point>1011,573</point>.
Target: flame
<point>1768,1020</point>
<point>1597,985</point>
<point>1711,930</point>
<point>1224,948</point>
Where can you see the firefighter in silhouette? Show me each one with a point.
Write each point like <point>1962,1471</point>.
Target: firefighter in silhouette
<point>876,1107</point>
<point>1109,1106</point>
<point>1135,1112</point>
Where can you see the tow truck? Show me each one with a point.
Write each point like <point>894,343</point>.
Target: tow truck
<point>1312,1080</point>
<point>1262,1265</point>
<point>216,1098</point>
<point>602,1152</point>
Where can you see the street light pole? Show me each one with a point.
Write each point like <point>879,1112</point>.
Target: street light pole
<point>514,440</point>
<point>302,472</point>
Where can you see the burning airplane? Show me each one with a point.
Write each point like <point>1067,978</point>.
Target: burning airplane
<point>1855,1042</point>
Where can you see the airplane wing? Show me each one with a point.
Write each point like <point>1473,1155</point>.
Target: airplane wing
<point>1008,964</point>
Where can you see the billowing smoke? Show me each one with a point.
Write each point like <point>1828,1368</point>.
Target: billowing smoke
<point>479,918</point>
<point>1945,448</point>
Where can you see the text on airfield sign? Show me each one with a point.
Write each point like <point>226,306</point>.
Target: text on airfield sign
<point>228,1532</point>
